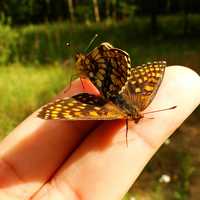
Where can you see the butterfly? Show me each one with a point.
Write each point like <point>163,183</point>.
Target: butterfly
<point>135,95</point>
<point>107,68</point>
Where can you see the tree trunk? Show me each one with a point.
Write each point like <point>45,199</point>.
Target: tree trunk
<point>114,9</point>
<point>96,10</point>
<point>71,10</point>
<point>107,8</point>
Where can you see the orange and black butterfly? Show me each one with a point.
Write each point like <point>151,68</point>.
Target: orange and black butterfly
<point>134,96</point>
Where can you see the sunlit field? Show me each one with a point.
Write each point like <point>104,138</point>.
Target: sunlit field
<point>24,89</point>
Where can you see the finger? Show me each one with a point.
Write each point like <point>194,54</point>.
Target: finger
<point>36,148</point>
<point>105,168</point>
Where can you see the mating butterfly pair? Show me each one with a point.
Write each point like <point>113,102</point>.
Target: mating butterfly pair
<point>125,91</point>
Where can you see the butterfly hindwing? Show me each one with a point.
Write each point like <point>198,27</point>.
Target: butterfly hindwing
<point>83,106</point>
<point>107,67</point>
<point>143,84</point>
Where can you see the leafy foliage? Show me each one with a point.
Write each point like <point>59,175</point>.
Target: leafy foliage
<point>8,38</point>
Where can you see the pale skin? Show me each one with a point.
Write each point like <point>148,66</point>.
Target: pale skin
<point>89,160</point>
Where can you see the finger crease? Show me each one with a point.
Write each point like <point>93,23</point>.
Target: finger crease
<point>11,168</point>
<point>12,177</point>
<point>56,185</point>
<point>146,141</point>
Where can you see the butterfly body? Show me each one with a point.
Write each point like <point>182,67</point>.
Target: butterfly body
<point>131,110</point>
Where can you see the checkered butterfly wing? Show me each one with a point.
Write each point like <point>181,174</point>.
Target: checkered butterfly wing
<point>143,84</point>
<point>83,106</point>
<point>107,67</point>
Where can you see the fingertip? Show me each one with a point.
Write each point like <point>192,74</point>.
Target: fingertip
<point>184,84</point>
<point>184,76</point>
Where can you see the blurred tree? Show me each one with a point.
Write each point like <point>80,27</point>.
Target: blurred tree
<point>126,9</point>
<point>96,10</point>
<point>83,11</point>
<point>20,13</point>
<point>71,10</point>
<point>48,10</point>
<point>185,8</point>
<point>58,10</point>
<point>107,8</point>
<point>114,9</point>
<point>153,9</point>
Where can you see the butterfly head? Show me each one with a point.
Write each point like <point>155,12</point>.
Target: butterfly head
<point>133,113</point>
<point>136,117</point>
<point>81,63</point>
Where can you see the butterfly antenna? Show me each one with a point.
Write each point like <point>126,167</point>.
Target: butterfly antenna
<point>173,107</point>
<point>91,42</point>
<point>148,117</point>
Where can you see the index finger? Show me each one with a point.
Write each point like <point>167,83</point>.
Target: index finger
<point>104,167</point>
<point>36,148</point>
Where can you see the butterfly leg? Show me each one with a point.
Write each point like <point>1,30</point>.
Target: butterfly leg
<point>127,132</point>
<point>82,83</point>
<point>70,83</point>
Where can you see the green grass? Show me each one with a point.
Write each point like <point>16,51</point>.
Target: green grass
<point>24,89</point>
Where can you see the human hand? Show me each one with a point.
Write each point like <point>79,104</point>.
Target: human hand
<point>43,160</point>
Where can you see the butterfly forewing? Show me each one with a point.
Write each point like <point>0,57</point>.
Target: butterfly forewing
<point>83,106</point>
<point>143,84</point>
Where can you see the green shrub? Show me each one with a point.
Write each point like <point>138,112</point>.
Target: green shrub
<point>8,42</point>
